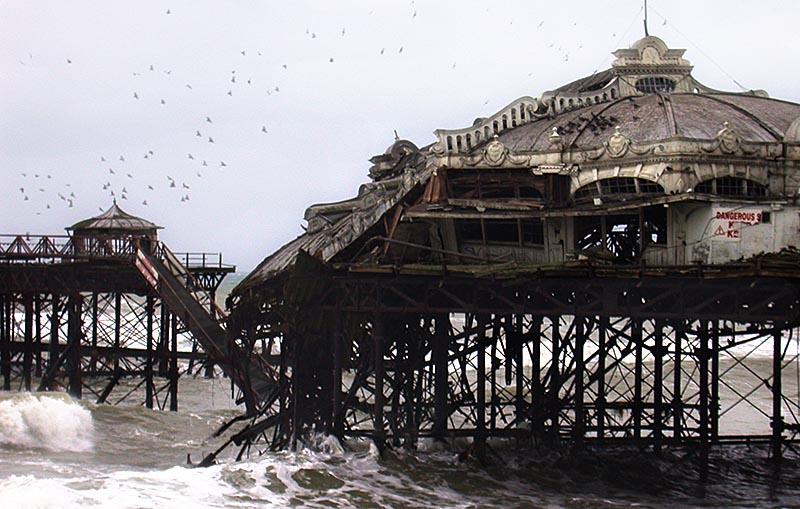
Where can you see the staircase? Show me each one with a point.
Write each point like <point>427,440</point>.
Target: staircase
<point>254,377</point>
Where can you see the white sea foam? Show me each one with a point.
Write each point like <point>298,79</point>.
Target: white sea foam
<point>39,421</point>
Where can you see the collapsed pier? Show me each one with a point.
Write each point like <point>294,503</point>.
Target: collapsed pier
<point>593,265</point>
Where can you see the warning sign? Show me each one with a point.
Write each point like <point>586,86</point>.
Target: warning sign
<point>727,224</point>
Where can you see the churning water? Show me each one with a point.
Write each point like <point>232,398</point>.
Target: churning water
<point>56,452</point>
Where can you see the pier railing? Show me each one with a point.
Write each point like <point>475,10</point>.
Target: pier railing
<point>26,248</point>
<point>202,261</point>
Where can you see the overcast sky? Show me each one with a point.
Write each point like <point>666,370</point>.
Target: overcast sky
<point>295,97</point>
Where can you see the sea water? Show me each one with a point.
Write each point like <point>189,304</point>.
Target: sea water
<point>59,452</point>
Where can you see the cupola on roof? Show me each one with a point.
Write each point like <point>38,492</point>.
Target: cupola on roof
<point>115,221</point>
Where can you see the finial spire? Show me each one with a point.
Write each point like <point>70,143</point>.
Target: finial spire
<point>646,34</point>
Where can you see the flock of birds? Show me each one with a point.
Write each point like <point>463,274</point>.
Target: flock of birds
<point>120,178</point>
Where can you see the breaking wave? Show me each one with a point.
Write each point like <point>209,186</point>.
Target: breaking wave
<point>39,421</point>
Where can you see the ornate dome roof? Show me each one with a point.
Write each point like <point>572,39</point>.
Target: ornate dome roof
<point>115,220</point>
<point>655,117</point>
<point>648,94</point>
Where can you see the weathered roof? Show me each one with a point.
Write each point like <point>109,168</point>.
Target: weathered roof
<point>594,82</point>
<point>114,219</point>
<point>333,227</point>
<point>655,117</point>
<point>648,96</point>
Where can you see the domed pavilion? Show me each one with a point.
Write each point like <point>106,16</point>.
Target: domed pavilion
<point>490,282</point>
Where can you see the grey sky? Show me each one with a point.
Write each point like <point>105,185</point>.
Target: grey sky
<point>77,86</point>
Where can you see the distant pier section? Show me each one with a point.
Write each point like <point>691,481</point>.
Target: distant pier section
<point>110,313</point>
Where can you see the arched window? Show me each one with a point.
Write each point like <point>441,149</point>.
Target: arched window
<point>732,186</point>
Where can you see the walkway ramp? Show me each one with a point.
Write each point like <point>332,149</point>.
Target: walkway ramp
<point>195,307</point>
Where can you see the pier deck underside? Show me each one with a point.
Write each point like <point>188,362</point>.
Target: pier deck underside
<point>575,356</point>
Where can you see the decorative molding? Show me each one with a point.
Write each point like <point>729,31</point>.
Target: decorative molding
<point>496,154</point>
<point>728,141</point>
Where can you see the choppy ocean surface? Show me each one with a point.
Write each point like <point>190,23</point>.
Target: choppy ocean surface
<point>58,452</point>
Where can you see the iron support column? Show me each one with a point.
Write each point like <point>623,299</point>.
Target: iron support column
<point>777,396</point>
<point>580,338</point>
<point>27,355</point>
<point>638,407</point>
<point>74,336</point>
<point>601,376</point>
<point>337,424</point>
<point>658,384</point>
<point>379,345</point>
<point>439,351</point>
<point>173,367</point>
<point>149,360</point>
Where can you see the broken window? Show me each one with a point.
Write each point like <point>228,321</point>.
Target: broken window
<point>655,85</point>
<point>618,237</point>
<point>617,188</point>
<point>732,186</point>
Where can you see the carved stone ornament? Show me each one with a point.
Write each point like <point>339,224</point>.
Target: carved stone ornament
<point>729,141</point>
<point>438,149</point>
<point>495,152</point>
<point>617,145</point>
